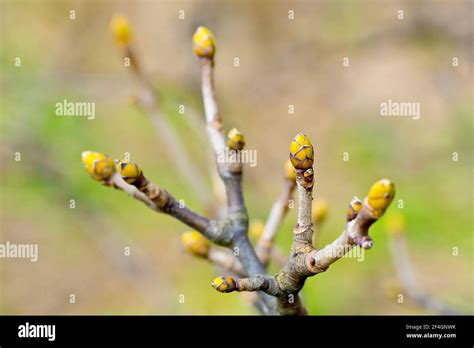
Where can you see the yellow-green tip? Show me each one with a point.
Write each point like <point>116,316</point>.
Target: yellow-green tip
<point>130,171</point>
<point>354,208</point>
<point>204,43</point>
<point>308,175</point>
<point>381,194</point>
<point>256,229</point>
<point>224,284</point>
<point>301,152</point>
<point>395,224</point>
<point>195,243</point>
<point>121,29</point>
<point>320,210</point>
<point>235,139</point>
<point>99,166</point>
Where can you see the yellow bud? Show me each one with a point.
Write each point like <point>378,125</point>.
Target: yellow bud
<point>354,208</point>
<point>308,175</point>
<point>381,194</point>
<point>301,152</point>
<point>320,210</point>
<point>392,288</point>
<point>224,284</point>
<point>130,171</point>
<point>395,224</point>
<point>204,43</point>
<point>235,139</point>
<point>99,166</point>
<point>195,243</point>
<point>121,29</point>
<point>290,173</point>
<point>256,229</point>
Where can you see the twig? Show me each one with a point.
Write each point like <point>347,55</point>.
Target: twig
<point>265,243</point>
<point>199,246</point>
<point>406,276</point>
<point>148,100</point>
<point>225,259</point>
<point>230,173</point>
<point>102,168</point>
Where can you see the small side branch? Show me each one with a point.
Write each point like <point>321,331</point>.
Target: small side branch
<point>196,244</point>
<point>259,282</point>
<point>213,121</point>
<point>128,177</point>
<point>278,212</point>
<point>236,218</point>
<point>408,280</point>
<point>148,100</point>
<point>355,234</point>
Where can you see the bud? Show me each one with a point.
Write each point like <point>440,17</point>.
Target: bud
<point>308,175</point>
<point>130,171</point>
<point>204,43</point>
<point>121,30</point>
<point>320,210</point>
<point>381,194</point>
<point>290,173</point>
<point>224,284</point>
<point>235,139</point>
<point>366,242</point>
<point>395,224</point>
<point>392,289</point>
<point>301,152</point>
<point>196,243</point>
<point>354,208</point>
<point>256,229</point>
<point>99,166</point>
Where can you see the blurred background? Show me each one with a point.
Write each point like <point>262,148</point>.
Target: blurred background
<point>282,62</point>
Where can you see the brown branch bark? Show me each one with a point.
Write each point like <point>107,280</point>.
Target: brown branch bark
<point>266,242</point>
<point>236,218</point>
<point>148,99</point>
<point>226,259</point>
<point>162,201</point>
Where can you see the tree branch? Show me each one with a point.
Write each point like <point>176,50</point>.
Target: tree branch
<point>148,100</point>
<point>406,275</point>
<point>355,233</point>
<point>305,261</point>
<point>102,168</point>
<point>260,282</point>
<point>226,259</point>
<point>230,173</point>
<point>196,244</point>
<point>213,121</point>
<point>265,243</point>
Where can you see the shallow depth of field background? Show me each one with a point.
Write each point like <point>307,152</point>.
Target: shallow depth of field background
<point>282,62</point>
